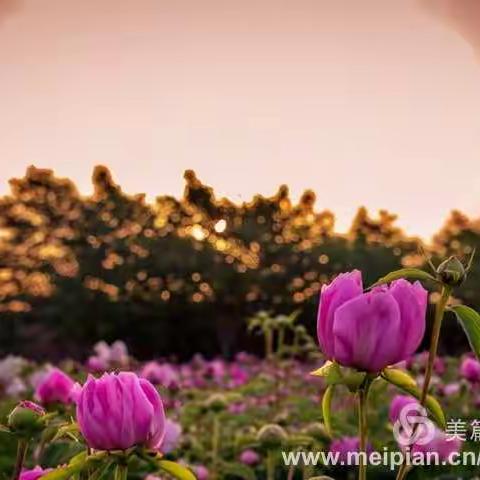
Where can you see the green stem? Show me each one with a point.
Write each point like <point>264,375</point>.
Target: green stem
<point>21,452</point>
<point>437,326</point>
<point>215,445</point>
<point>362,430</point>
<point>281,341</point>
<point>269,343</point>
<point>271,465</point>
<point>121,472</point>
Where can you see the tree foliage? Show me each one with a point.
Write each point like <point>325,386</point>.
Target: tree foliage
<point>179,275</point>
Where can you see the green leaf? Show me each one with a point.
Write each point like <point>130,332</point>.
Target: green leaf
<point>470,321</point>
<point>407,384</point>
<point>327,409</point>
<point>101,472</point>
<point>238,470</point>
<point>176,470</point>
<point>410,273</point>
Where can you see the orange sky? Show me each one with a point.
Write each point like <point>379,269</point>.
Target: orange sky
<point>368,102</point>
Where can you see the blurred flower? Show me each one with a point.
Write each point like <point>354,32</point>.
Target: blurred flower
<point>451,389</point>
<point>345,445</point>
<point>10,369</point>
<point>238,375</point>
<point>75,392</point>
<point>419,362</point>
<point>119,411</point>
<point>236,408</point>
<point>470,370</point>
<point>96,364</point>
<point>398,403</point>
<point>108,356</point>
<point>249,457</point>
<point>361,330</point>
<point>216,369</point>
<point>442,444</point>
<point>34,474</point>
<point>164,375</point>
<point>56,386</point>
<point>201,472</point>
<point>173,432</point>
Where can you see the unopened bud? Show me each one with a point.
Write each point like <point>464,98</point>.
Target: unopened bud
<point>317,431</point>
<point>216,403</point>
<point>24,419</point>
<point>451,272</point>
<point>271,436</point>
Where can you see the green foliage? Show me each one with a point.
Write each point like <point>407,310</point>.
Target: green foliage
<point>470,321</point>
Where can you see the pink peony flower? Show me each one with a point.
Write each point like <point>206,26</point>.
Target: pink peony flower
<point>470,369</point>
<point>55,387</point>
<point>361,330</point>
<point>119,411</point>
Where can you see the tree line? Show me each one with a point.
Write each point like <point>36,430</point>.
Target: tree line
<point>180,276</point>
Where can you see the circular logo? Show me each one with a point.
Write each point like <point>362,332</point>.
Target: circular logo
<point>413,426</point>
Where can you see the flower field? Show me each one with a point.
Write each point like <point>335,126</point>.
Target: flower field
<point>363,398</point>
<point>219,412</point>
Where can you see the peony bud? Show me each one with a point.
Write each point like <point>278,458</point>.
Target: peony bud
<point>271,436</point>
<point>216,403</point>
<point>317,431</point>
<point>452,272</point>
<point>25,419</point>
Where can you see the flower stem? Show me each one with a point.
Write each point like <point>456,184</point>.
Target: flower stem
<point>21,452</point>
<point>437,326</point>
<point>269,343</point>
<point>270,465</point>
<point>362,430</point>
<point>121,472</point>
<point>215,445</point>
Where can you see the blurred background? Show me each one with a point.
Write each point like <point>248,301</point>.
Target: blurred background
<point>221,114</point>
<point>181,276</point>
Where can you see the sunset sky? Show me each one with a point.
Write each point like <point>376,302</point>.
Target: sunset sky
<point>369,102</point>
